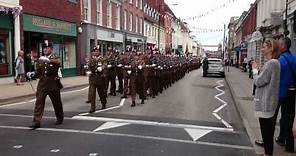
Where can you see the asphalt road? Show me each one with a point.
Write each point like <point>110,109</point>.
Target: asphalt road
<point>196,116</point>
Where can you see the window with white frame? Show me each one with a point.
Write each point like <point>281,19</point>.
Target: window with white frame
<point>86,10</point>
<point>140,25</point>
<point>125,20</point>
<point>131,22</point>
<point>137,25</point>
<point>99,10</point>
<point>117,18</point>
<point>141,4</point>
<point>131,1</point>
<point>109,16</point>
<point>137,3</point>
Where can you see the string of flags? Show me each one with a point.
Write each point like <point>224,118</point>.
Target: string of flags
<point>204,30</point>
<point>210,11</point>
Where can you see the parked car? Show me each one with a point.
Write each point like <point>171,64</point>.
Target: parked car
<point>214,66</point>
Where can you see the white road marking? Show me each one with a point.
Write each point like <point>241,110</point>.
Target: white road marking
<point>139,122</point>
<point>121,104</point>
<point>33,100</point>
<point>54,150</point>
<point>152,123</point>
<point>93,154</point>
<point>18,146</point>
<point>133,136</point>
<point>195,134</point>
<point>215,112</point>
<point>110,125</point>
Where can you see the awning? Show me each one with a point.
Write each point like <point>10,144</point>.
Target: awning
<point>9,7</point>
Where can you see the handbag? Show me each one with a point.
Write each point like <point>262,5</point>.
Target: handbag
<point>292,87</point>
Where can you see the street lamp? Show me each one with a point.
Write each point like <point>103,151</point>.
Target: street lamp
<point>286,32</point>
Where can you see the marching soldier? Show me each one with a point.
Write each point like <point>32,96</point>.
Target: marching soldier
<point>97,66</point>
<point>137,80</point>
<point>111,72</point>
<point>49,84</point>
<point>119,72</point>
<point>126,60</point>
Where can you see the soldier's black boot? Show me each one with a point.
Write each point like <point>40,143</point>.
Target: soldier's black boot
<point>88,101</point>
<point>133,104</point>
<point>143,101</point>
<point>103,106</point>
<point>34,126</point>
<point>124,97</point>
<point>59,122</point>
<point>92,110</point>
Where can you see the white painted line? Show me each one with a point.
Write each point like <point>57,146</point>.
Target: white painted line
<point>110,125</point>
<point>134,136</point>
<point>93,154</point>
<point>153,123</point>
<point>54,150</point>
<point>195,134</point>
<point>18,146</point>
<point>33,100</point>
<point>215,112</point>
<point>121,104</point>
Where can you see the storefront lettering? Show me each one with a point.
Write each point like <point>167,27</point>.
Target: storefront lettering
<point>50,24</point>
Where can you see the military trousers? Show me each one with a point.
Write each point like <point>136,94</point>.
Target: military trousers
<point>55,97</point>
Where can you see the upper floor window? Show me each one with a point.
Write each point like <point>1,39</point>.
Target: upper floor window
<point>141,4</point>
<point>99,11</point>
<point>131,1</point>
<point>117,18</point>
<point>86,15</point>
<point>109,17</point>
<point>125,20</point>
<point>131,22</point>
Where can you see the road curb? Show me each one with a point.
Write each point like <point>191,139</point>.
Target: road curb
<point>242,115</point>
<point>33,94</point>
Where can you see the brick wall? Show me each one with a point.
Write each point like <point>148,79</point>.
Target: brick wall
<point>136,11</point>
<point>58,9</point>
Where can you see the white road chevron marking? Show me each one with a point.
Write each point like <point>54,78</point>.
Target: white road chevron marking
<point>109,125</point>
<point>195,134</point>
<point>215,112</point>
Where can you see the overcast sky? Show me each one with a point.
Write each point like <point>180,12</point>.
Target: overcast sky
<point>214,20</point>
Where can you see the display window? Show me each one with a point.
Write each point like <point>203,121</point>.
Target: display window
<point>5,52</point>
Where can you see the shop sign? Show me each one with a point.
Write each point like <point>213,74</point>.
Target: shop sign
<point>47,25</point>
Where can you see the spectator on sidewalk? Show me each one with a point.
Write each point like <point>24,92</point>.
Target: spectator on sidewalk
<point>286,101</point>
<point>20,68</point>
<point>267,93</point>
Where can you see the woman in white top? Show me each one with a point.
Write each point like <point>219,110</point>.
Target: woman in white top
<point>19,67</point>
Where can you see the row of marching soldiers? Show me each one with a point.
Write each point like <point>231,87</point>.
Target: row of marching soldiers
<point>145,74</point>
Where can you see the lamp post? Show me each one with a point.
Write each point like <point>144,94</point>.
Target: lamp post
<point>286,32</point>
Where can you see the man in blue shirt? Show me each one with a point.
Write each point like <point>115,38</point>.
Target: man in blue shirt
<point>286,101</point>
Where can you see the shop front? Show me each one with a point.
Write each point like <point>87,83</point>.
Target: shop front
<point>135,42</point>
<point>62,34</point>
<point>6,44</point>
<point>94,35</point>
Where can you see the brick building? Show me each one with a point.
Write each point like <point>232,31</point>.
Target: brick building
<point>101,25</point>
<point>56,21</point>
<point>168,18</point>
<point>133,23</point>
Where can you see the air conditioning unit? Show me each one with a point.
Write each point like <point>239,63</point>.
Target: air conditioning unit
<point>276,18</point>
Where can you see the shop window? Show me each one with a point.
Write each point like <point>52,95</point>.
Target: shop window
<point>4,52</point>
<point>69,56</point>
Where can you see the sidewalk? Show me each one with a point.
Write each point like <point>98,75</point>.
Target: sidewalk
<point>11,91</point>
<point>241,88</point>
